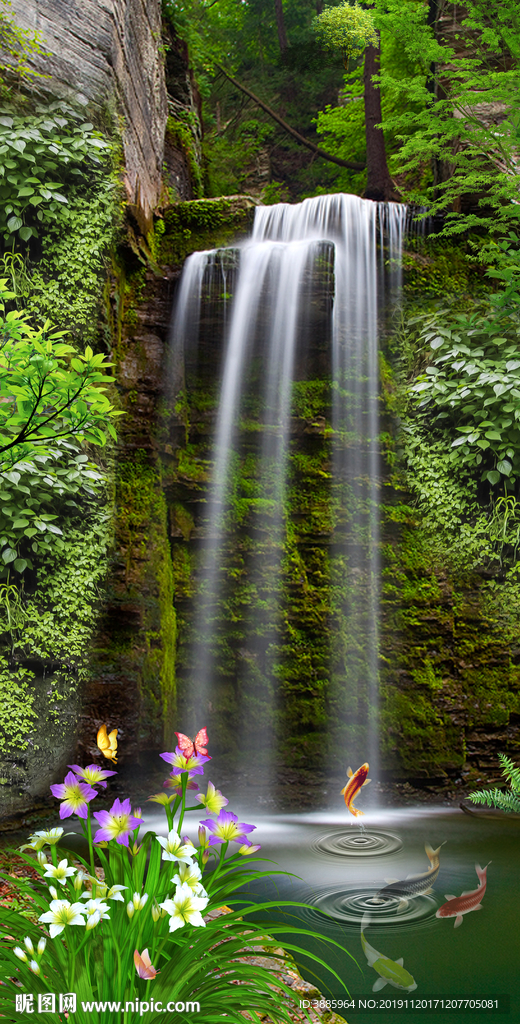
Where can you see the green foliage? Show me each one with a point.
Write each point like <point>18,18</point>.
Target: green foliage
<point>346,27</point>
<point>48,391</point>
<point>506,801</point>
<point>65,284</point>
<point>17,46</point>
<point>64,607</point>
<point>16,706</point>
<point>445,110</point>
<point>472,387</point>
<point>34,495</point>
<point>38,153</point>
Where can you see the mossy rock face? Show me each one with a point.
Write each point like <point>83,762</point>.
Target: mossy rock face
<point>203,224</point>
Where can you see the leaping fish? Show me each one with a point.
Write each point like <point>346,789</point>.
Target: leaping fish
<point>391,972</point>
<point>356,781</point>
<point>459,905</point>
<point>412,885</point>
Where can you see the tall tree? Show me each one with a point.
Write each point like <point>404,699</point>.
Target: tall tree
<point>379,184</point>
<point>352,29</point>
<point>280,24</point>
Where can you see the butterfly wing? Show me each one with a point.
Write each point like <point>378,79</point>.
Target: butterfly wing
<point>185,744</point>
<point>200,741</point>
<point>144,966</point>
<point>107,744</point>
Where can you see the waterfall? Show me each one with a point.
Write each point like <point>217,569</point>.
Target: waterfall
<point>266,330</point>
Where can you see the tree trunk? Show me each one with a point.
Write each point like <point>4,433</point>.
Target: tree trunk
<point>379,183</point>
<point>280,24</point>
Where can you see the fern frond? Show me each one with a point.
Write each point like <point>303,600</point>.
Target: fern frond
<point>497,798</point>
<point>510,771</point>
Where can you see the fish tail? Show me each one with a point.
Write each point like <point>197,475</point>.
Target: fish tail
<point>355,810</point>
<point>481,872</point>
<point>433,854</point>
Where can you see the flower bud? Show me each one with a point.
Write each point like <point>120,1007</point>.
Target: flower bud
<point>28,945</point>
<point>34,967</point>
<point>92,920</point>
<point>41,858</point>
<point>156,913</point>
<point>20,953</point>
<point>53,892</point>
<point>41,946</point>
<point>130,909</point>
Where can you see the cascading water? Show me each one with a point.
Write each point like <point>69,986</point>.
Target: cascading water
<point>266,335</point>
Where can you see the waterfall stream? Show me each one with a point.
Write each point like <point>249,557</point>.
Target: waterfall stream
<point>350,249</point>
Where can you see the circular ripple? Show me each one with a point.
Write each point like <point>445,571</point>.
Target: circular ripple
<point>350,904</point>
<point>340,843</point>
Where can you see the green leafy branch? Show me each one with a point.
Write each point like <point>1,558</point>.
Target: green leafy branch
<point>48,391</point>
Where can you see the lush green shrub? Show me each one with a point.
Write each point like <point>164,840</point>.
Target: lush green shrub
<point>38,153</point>
<point>471,389</point>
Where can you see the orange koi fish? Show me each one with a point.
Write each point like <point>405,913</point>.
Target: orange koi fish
<point>356,781</point>
<point>459,905</point>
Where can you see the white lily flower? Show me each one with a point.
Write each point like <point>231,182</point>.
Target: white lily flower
<point>115,893</point>
<point>175,849</point>
<point>48,837</point>
<point>60,873</point>
<point>139,901</point>
<point>185,908</point>
<point>97,906</point>
<point>61,914</point>
<point>80,879</point>
<point>190,874</point>
<point>92,921</point>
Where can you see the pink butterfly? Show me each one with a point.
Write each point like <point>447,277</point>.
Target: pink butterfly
<point>196,746</point>
<point>144,966</point>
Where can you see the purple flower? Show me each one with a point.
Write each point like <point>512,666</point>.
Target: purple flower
<point>92,774</point>
<point>175,782</point>
<point>227,828</point>
<point>182,763</point>
<point>74,794</point>
<point>116,823</point>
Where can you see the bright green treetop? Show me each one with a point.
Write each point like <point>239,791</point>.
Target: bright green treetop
<point>348,28</point>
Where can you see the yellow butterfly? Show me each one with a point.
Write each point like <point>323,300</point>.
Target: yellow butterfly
<point>107,744</point>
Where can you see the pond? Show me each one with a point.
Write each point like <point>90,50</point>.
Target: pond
<point>340,868</point>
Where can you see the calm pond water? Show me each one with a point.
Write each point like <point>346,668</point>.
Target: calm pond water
<point>341,868</point>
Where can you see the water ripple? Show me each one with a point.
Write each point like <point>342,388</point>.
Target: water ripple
<point>348,904</point>
<point>337,842</point>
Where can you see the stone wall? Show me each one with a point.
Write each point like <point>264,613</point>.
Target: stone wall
<point>108,53</point>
